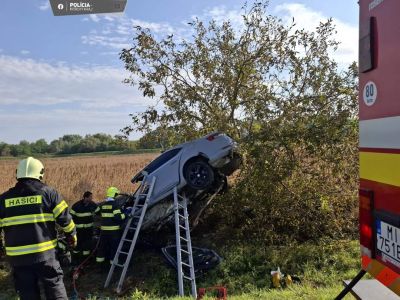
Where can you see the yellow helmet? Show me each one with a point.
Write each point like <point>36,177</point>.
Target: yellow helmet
<point>112,192</point>
<point>30,168</point>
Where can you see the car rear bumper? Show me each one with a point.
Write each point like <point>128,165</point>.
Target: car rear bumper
<point>235,160</point>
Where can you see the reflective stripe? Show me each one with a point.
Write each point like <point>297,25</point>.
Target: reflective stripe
<point>69,227</point>
<point>107,207</point>
<point>107,215</point>
<point>97,209</point>
<point>72,212</point>
<point>382,273</point>
<point>87,214</point>
<point>59,208</point>
<point>380,133</point>
<point>28,249</point>
<point>27,219</point>
<point>99,259</point>
<point>88,225</point>
<point>109,227</point>
<point>117,211</point>
<point>380,167</point>
<point>123,216</point>
<point>85,252</point>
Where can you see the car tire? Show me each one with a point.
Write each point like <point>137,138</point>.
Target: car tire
<point>199,175</point>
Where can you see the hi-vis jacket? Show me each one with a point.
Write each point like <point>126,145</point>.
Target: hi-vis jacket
<point>111,216</point>
<point>28,214</point>
<point>83,214</point>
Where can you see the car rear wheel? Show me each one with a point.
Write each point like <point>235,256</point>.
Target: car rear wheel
<point>199,175</point>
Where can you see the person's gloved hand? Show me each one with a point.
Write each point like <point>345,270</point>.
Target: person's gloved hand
<point>72,240</point>
<point>128,211</point>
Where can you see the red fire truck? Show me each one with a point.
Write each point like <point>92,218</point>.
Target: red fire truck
<point>379,103</point>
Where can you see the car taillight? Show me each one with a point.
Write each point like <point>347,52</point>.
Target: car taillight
<point>212,137</point>
<point>366,219</point>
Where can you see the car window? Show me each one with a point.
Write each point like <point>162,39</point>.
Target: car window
<point>162,159</point>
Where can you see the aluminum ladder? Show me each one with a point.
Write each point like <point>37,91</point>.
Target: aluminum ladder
<point>134,223</point>
<point>184,256</point>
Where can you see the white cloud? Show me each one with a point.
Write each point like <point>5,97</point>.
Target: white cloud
<point>45,5</point>
<point>221,14</point>
<point>114,42</point>
<point>56,99</point>
<point>309,19</point>
<point>25,52</point>
<point>113,53</point>
<point>94,18</point>
<point>41,83</point>
<point>116,31</point>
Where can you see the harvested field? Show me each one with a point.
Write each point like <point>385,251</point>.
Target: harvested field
<point>72,176</point>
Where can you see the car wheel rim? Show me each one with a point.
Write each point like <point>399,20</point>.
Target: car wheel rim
<point>199,175</point>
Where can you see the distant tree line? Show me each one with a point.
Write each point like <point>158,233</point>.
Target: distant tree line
<point>69,144</point>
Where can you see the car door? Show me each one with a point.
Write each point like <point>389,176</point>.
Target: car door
<point>166,170</point>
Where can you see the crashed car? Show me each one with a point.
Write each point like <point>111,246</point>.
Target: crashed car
<point>197,168</point>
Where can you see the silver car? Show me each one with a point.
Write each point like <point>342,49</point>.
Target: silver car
<point>195,167</point>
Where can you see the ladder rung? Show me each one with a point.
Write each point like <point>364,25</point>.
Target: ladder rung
<point>185,264</point>
<point>187,278</point>
<point>123,252</point>
<point>183,217</point>
<point>183,239</point>
<point>183,227</point>
<point>119,265</point>
<point>128,240</point>
<point>185,251</point>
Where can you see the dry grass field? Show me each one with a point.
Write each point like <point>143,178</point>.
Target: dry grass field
<point>72,176</point>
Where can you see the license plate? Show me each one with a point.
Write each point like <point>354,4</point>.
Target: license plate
<point>388,240</point>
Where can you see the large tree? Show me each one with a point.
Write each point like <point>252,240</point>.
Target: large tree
<point>276,89</point>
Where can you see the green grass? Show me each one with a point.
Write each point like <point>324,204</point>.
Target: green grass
<point>295,292</point>
<point>245,272</point>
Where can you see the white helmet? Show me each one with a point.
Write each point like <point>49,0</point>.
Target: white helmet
<point>30,168</point>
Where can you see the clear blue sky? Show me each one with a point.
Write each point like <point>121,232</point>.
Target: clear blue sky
<point>62,75</point>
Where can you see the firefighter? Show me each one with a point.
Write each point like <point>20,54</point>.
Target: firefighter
<point>110,228</point>
<point>29,212</point>
<point>83,213</point>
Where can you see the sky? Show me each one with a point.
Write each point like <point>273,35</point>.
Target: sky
<point>62,75</point>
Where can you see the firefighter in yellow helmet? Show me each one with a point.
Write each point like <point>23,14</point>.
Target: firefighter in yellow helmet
<point>111,220</point>
<point>29,212</point>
